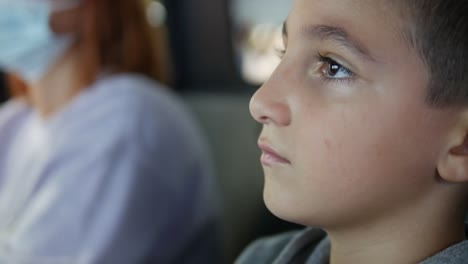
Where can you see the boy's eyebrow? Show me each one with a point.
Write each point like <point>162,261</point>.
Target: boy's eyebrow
<point>335,34</point>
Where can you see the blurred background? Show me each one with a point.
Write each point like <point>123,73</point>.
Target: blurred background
<point>215,53</point>
<point>223,51</point>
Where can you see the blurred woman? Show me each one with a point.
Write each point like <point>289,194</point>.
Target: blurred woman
<point>99,163</point>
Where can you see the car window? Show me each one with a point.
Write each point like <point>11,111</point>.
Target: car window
<point>257,29</point>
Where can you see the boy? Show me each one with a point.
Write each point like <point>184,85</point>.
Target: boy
<point>365,126</point>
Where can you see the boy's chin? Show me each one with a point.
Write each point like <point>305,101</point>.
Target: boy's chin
<point>285,209</point>
<point>312,212</point>
<point>301,215</point>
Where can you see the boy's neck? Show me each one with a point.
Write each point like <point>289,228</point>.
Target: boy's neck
<point>397,240</point>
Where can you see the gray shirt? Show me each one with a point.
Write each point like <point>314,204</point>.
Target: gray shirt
<point>312,246</point>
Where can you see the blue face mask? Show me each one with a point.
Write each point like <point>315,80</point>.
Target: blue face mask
<point>28,47</point>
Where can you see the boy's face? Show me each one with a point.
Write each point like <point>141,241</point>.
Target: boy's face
<point>346,111</point>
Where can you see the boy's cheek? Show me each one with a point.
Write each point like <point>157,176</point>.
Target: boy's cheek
<point>355,164</point>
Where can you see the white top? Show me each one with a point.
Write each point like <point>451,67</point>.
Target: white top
<point>120,175</point>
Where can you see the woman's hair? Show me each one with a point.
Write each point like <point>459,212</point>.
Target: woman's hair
<point>114,37</point>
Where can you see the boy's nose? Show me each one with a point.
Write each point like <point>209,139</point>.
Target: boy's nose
<point>268,106</point>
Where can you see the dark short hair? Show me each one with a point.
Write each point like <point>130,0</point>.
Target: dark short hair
<point>439,32</point>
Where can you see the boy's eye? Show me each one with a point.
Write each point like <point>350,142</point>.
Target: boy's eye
<point>332,69</point>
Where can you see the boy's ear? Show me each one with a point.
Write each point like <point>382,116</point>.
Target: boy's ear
<point>453,165</point>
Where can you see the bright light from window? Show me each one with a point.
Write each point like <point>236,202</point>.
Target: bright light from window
<point>156,13</point>
<point>257,29</point>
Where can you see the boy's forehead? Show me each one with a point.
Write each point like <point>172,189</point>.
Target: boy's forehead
<point>365,18</point>
<point>345,11</point>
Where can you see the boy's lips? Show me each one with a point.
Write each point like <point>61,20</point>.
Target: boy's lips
<point>269,156</point>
